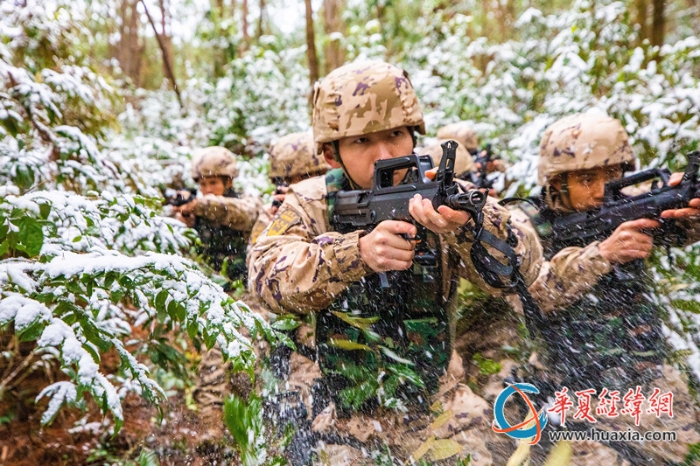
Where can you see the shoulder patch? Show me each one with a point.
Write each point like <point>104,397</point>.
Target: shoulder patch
<point>283,222</point>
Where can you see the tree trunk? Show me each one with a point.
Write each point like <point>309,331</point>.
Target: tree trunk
<point>658,24</point>
<point>311,44</point>
<point>165,33</point>
<point>128,51</point>
<point>166,60</point>
<point>244,19</point>
<point>332,22</point>
<point>641,8</point>
<point>694,15</point>
<point>260,19</point>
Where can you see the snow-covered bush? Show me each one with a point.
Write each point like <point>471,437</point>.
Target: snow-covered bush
<point>264,95</point>
<point>84,256</point>
<point>573,61</point>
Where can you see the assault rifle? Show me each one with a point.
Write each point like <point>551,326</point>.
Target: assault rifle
<point>480,178</point>
<point>617,208</point>
<point>365,209</point>
<point>178,199</point>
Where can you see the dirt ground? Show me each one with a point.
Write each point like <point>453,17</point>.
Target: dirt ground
<point>174,441</point>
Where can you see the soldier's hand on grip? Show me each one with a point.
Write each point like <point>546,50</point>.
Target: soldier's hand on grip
<point>444,220</point>
<point>385,248</point>
<point>186,210</point>
<point>186,219</point>
<point>628,242</point>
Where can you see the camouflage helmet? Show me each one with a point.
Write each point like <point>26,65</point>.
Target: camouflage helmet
<point>296,155</point>
<point>581,142</point>
<point>461,132</point>
<point>363,98</point>
<point>463,160</point>
<point>214,161</point>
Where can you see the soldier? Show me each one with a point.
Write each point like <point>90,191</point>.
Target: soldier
<point>603,329</point>
<point>222,217</point>
<point>463,133</point>
<point>464,164</point>
<point>224,220</point>
<point>292,159</point>
<point>391,381</point>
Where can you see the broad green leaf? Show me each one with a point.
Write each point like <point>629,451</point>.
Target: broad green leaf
<point>45,210</point>
<point>33,331</point>
<point>160,300</point>
<point>363,323</point>
<point>24,177</point>
<point>348,345</point>
<point>192,329</point>
<point>4,247</point>
<point>31,235</point>
<point>286,323</point>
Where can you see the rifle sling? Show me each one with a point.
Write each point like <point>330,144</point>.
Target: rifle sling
<point>490,269</point>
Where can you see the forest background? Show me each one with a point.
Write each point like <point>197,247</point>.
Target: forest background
<point>102,104</point>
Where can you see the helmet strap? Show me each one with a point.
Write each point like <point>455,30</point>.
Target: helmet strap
<point>564,192</point>
<point>412,130</point>
<point>336,155</point>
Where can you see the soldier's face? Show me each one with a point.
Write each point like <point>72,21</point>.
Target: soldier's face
<point>587,187</point>
<point>359,153</point>
<point>216,185</point>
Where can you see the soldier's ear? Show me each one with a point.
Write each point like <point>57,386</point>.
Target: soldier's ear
<point>329,156</point>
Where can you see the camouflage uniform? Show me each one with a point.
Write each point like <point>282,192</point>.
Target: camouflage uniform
<point>604,308</point>
<point>463,133</point>
<point>302,264</point>
<point>224,224</point>
<point>294,155</point>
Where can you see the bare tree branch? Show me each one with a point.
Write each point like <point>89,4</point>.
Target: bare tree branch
<point>164,51</point>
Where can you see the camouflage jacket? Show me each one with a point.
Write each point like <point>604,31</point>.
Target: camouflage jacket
<point>261,223</point>
<point>301,265</point>
<point>604,327</point>
<point>224,224</point>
